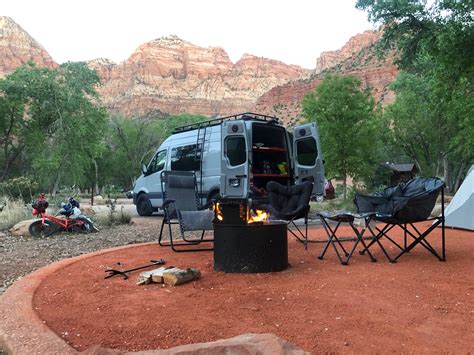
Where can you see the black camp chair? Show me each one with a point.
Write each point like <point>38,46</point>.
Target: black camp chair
<point>182,207</point>
<point>289,203</point>
<point>403,206</point>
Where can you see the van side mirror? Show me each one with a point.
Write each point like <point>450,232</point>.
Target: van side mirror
<point>144,169</point>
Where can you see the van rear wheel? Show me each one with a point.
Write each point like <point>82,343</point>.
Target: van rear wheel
<point>144,207</point>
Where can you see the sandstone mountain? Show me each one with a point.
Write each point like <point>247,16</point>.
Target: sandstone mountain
<point>171,76</point>
<point>358,58</point>
<point>17,47</point>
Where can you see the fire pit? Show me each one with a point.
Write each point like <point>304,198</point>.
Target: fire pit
<point>244,244</point>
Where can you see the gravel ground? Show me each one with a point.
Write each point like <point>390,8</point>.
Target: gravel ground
<point>20,256</point>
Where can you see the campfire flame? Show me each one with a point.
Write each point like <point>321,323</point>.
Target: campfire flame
<point>217,211</point>
<point>259,216</point>
<point>245,214</point>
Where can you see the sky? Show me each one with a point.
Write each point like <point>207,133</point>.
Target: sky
<point>292,31</point>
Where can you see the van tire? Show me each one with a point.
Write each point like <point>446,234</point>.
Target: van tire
<point>144,207</point>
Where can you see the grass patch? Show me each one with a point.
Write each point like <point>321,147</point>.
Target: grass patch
<point>12,212</point>
<point>114,217</point>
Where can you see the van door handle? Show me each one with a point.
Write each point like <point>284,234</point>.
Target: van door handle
<point>240,176</point>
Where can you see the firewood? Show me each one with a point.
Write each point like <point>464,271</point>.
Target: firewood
<point>179,276</point>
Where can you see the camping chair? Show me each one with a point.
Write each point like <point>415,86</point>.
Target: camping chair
<point>403,206</point>
<point>289,203</point>
<point>181,205</point>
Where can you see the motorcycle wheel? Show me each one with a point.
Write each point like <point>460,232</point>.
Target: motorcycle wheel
<point>40,229</point>
<point>86,227</point>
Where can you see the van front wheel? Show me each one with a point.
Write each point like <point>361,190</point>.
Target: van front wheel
<point>144,207</point>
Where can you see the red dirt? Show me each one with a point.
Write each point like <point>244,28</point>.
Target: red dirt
<point>416,305</point>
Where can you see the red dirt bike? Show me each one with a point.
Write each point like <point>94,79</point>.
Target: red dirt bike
<point>73,220</point>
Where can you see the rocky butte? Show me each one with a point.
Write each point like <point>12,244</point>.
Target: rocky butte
<point>172,76</point>
<point>17,47</point>
<point>357,57</point>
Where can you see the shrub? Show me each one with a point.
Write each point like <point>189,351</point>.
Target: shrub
<point>114,217</point>
<point>20,187</point>
<point>13,211</point>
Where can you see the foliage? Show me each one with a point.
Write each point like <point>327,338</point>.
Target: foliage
<point>13,211</point>
<point>347,123</point>
<point>114,217</point>
<point>433,116</point>
<point>51,125</point>
<point>131,143</point>
<point>20,187</point>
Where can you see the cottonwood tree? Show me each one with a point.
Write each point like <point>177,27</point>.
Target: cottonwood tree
<point>132,142</point>
<point>52,126</point>
<point>434,41</point>
<point>346,117</point>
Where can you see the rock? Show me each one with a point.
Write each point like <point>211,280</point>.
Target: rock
<point>178,76</point>
<point>262,344</point>
<point>177,276</point>
<point>155,275</point>
<point>357,58</point>
<point>88,210</point>
<point>17,47</point>
<point>21,228</point>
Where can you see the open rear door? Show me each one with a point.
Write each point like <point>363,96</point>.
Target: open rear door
<point>234,163</point>
<point>307,157</point>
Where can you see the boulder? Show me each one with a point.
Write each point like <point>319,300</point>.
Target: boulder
<point>21,228</point>
<point>263,344</point>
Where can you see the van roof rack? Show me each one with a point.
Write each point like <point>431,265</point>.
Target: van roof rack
<point>216,121</point>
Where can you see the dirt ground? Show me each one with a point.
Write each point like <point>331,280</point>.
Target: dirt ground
<point>21,255</point>
<point>416,305</point>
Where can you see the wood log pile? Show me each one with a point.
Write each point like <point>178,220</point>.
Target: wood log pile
<point>171,276</point>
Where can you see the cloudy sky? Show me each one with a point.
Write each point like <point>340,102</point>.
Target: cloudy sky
<point>293,31</point>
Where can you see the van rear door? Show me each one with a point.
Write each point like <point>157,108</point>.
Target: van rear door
<point>307,157</point>
<point>234,160</point>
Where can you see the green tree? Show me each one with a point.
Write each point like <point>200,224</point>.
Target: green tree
<point>132,142</point>
<point>346,118</point>
<point>435,45</point>
<point>51,122</point>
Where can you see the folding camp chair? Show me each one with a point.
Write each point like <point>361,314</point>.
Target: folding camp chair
<point>182,207</point>
<point>289,203</point>
<point>403,206</point>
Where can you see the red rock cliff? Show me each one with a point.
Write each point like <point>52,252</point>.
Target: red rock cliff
<point>17,47</point>
<point>172,76</point>
<point>285,101</point>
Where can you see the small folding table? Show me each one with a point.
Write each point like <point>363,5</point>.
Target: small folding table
<point>358,224</point>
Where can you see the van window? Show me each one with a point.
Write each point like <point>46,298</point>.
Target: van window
<point>235,150</point>
<point>306,151</point>
<point>157,163</point>
<point>185,158</point>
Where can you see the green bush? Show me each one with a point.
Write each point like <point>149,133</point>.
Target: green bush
<point>20,187</point>
<point>114,217</point>
<point>13,211</point>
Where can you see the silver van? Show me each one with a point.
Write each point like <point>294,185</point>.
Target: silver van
<point>234,157</point>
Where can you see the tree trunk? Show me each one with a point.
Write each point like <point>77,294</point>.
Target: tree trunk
<point>457,181</point>
<point>446,173</point>
<point>96,177</point>
<point>344,187</point>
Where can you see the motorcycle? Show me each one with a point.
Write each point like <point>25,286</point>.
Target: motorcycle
<point>73,220</point>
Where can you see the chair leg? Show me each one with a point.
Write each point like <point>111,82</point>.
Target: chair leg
<point>421,239</point>
<point>332,238</point>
